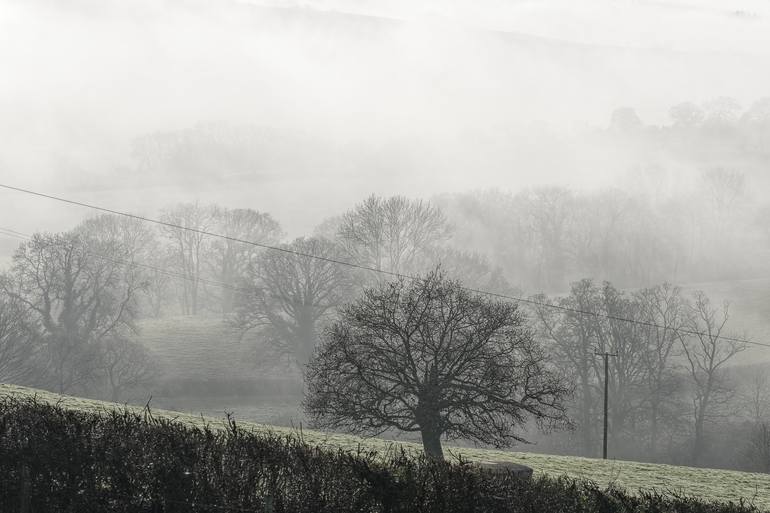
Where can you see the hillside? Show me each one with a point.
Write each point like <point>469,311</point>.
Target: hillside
<point>705,483</point>
<point>204,351</point>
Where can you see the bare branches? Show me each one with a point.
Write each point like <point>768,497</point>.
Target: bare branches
<point>706,355</point>
<point>391,234</point>
<point>291,295</point>
<point>429,356</point>
<point>80,293</point>
<point>20,343</point>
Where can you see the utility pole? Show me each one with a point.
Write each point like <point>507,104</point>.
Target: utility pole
<point>606,356</point>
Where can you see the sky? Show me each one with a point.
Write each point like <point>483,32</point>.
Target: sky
<point>363,96</point>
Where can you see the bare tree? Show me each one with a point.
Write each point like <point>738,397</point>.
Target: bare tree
<point>125,364</point>
<point>473,269</point>
<point>756,397</point>
<point>706,354</point>
<point>229,259</point>
<point>80,293</point>
<point>593,319</point>
<point>289,295</point>
<point>626,340</point>
<point>159,290</point>
<point>571,337</point>
<point>662,309</point>
<point>757,450</point>
<point>189,248</point>
<point>428,356</point>
<point>391,234</point>
<point>19,344</point>
<point>548,214</point>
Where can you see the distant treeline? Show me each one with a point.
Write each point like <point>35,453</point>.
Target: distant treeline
<point>58,459</point>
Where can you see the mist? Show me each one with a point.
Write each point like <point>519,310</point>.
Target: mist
<point>368,97</point>
<point>594,151</point>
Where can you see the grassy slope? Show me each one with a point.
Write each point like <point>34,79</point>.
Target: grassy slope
<point>199,348</point>
<point>705,483</point>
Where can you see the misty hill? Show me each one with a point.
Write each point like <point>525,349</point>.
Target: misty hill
<point>416,100</point>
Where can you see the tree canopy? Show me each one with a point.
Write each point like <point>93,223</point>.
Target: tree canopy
<point>429,356</point>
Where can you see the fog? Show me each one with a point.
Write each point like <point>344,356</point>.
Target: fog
<point>369,96</point>
<point>542,130</point>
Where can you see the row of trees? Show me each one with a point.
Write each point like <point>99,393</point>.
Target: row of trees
<point>71,302</point>
<point>546,238</point>
<point>78,295</point>
<point>669,378</point>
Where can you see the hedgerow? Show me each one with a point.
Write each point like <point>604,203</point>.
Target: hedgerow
<point>56,459</point>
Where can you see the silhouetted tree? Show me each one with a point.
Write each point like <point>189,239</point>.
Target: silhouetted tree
<point>428,356</point>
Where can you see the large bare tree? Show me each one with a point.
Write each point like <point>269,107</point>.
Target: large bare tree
<point>80,292</point>
<point>289,295</point>
<point>430,357</point>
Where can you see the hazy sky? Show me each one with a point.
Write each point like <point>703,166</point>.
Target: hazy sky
<point>447,96</point>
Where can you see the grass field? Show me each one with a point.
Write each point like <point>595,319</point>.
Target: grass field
<point>705,483</point>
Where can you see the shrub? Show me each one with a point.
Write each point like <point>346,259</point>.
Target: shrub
<point>56,459</point>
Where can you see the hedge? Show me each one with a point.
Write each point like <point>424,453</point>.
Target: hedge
<point>54,459</point>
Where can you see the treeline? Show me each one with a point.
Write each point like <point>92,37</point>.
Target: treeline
<point>546,238</point>
<point>57,459</point>
<point>718,127</point>
<point>673,396</point>
<point>70,303</point>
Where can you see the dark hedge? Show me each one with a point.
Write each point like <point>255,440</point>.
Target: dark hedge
<point>56,459</point>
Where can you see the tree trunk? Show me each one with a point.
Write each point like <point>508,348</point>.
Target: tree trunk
<point>697,446</point>
<point>431,443</point>
<point>653,447</point>
<point>306,335</point>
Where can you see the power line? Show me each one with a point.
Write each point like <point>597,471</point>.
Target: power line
<point>380,271</point>
<point>204,232</point>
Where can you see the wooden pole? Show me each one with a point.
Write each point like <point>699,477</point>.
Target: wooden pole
<point>606,356</point>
